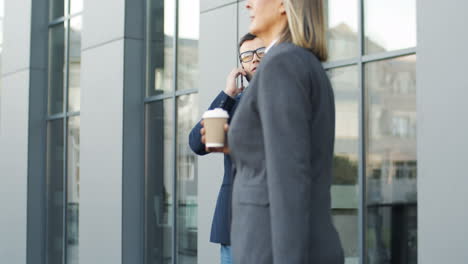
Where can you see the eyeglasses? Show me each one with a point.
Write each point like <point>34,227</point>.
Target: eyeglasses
<point>247,56</point>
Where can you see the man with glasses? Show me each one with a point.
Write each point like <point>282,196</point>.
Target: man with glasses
<point>251,50</point>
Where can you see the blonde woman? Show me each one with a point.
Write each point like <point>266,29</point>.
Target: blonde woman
<point>281,143</point>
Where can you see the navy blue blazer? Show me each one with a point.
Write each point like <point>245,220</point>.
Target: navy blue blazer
<point>221,225</point>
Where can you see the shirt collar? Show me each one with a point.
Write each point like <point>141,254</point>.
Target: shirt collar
<point>271,45</point>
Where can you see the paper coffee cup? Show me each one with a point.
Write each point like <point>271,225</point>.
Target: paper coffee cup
<point>214,127</point>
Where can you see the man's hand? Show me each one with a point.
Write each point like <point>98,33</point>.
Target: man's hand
<point>224,149</point>
<point>231,87</point>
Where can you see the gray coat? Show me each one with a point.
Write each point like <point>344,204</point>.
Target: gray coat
<point>281,142</point>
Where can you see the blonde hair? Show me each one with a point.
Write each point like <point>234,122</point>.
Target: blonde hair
<point>306,26</point>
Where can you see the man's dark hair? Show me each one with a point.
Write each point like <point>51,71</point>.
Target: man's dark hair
<point>245,38</point>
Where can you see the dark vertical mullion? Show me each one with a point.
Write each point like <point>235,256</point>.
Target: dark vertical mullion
<point>148,7</point>
<point>46,226</point>
<point>362,138</point>
<point>65,132</point>
<point>148,43</point>
<point>174,186</point>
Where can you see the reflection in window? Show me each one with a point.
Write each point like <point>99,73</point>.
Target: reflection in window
<point>159,171</point>
<point>56,78</point>
<point>160,46</point>
<point>187,205</point>
<point>345,163</point>
<point>74,64</point>
<point>165,137</point>
<point>391,211</point>
<point>187,64</point>
<point>76,6</point>
<point>342,37</point>
<point>55,192</point>
<point>56,9</point>
<point>385,33</point>
<point>63,135</point>
<point>73,191</point>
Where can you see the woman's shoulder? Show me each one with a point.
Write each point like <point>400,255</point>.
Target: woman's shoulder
<point>292,55</point>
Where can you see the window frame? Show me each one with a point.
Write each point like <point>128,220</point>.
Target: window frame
<point>360,61</point>
<point>65,115</point>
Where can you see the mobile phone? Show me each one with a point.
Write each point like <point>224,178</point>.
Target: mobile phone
<point>242,80</point>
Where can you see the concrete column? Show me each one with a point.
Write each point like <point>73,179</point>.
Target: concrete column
<point>14,131</point>
<point>112,127</point>
<point>442,92</point>
<point>218,35</point>
<point>102,83</point>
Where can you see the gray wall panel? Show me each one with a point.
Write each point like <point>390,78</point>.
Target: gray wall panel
<point>218,37</point>
<point>206,5</point>
<point>101,154</point>
<point>442,85</point>
<point>17,35</point>
<point>243,19</point>
<point>13,167</point>
<point>103,21</point>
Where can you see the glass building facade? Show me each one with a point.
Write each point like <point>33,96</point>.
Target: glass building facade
<point>63,131</point>
<point>185,49</point>
<point>372,67</point>
<point>170,112</point>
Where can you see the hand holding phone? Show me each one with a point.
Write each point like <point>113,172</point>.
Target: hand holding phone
<point>242,80</point>
<point>232,87</point>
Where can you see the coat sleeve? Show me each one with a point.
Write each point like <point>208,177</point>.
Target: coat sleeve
<point>285,110</point>
<point>223,101</point>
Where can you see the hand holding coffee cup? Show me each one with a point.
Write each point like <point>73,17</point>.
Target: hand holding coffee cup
<point>214,130</point>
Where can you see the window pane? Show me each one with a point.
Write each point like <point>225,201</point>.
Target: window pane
<point>56,68</point>
<point>57,8</point>
<point>160,36</point>
<point>76,6</point>
<point>55,192</point>
<point>391,161</point>
<point>345,198</point>
<point>159,171</point>
<point>74,65</point>
<point>187,64</point>
<point>342,20</point>
<point>73,194</point>
<point>187,194</point>
<point>383,32</point>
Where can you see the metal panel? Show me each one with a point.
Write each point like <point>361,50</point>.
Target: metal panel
<point>442,91</point>
<point>218,35</point>
<point>101,153</point>
<point>13,167</point>
<point>133,180</point>
<point>17,36</point>
<point>211,5</point>
<point>133,188</point>
<point>104,21</point>
<point>36,208</point>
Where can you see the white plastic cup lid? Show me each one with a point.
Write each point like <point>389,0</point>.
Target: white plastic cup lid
<point>216,113</point>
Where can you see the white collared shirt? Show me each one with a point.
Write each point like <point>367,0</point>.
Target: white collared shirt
<point>271,45</point>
